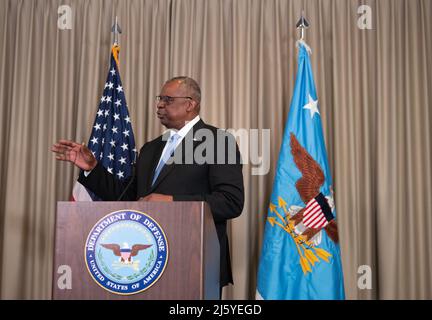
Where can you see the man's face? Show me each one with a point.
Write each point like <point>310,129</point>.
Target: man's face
<point>175,107</point>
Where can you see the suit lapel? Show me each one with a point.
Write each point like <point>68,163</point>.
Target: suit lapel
<point>167,169</point>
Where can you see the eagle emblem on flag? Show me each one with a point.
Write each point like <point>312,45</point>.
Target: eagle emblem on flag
<point>317,214</point>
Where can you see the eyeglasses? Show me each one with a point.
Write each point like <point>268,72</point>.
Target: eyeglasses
<point>168,100</point>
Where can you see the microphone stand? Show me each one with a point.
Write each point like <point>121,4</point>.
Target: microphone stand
<point>130,181</point>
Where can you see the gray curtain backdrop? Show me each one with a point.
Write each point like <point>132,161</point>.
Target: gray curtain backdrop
<point>375,96</point>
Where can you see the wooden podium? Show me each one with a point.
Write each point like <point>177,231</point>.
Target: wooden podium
<point>191,267</point>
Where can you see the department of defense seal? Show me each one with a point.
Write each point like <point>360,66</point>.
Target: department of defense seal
<point>126,252</point>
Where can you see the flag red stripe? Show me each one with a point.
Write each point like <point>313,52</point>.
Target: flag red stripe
<point>313,215</point>
<point>313,221</point>
<point>318,222</point>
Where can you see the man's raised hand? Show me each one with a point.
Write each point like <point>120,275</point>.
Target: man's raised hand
<point>78,154</point>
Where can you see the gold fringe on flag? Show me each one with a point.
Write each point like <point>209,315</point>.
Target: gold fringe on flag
<point>115,51</point>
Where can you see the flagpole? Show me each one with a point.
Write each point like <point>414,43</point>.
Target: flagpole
<point>302,24</point>
<point>116,30</point>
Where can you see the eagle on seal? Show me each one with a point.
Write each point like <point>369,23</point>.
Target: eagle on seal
<point>125,253</point>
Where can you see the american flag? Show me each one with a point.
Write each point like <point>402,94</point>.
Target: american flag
<point>112,140</point>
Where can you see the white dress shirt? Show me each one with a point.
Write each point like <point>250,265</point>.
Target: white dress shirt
<point>182,133</point>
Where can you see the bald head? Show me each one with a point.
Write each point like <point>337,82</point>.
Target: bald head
<point>190,86</point>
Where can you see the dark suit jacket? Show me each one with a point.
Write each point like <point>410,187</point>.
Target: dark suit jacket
<point>220,185</point>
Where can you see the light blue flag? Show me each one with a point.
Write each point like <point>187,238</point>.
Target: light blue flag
<point>300,256</point>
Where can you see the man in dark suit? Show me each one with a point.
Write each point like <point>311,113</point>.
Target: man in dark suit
<point>187,163</point>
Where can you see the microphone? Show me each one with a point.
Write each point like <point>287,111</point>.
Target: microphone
<point>130,181</point>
